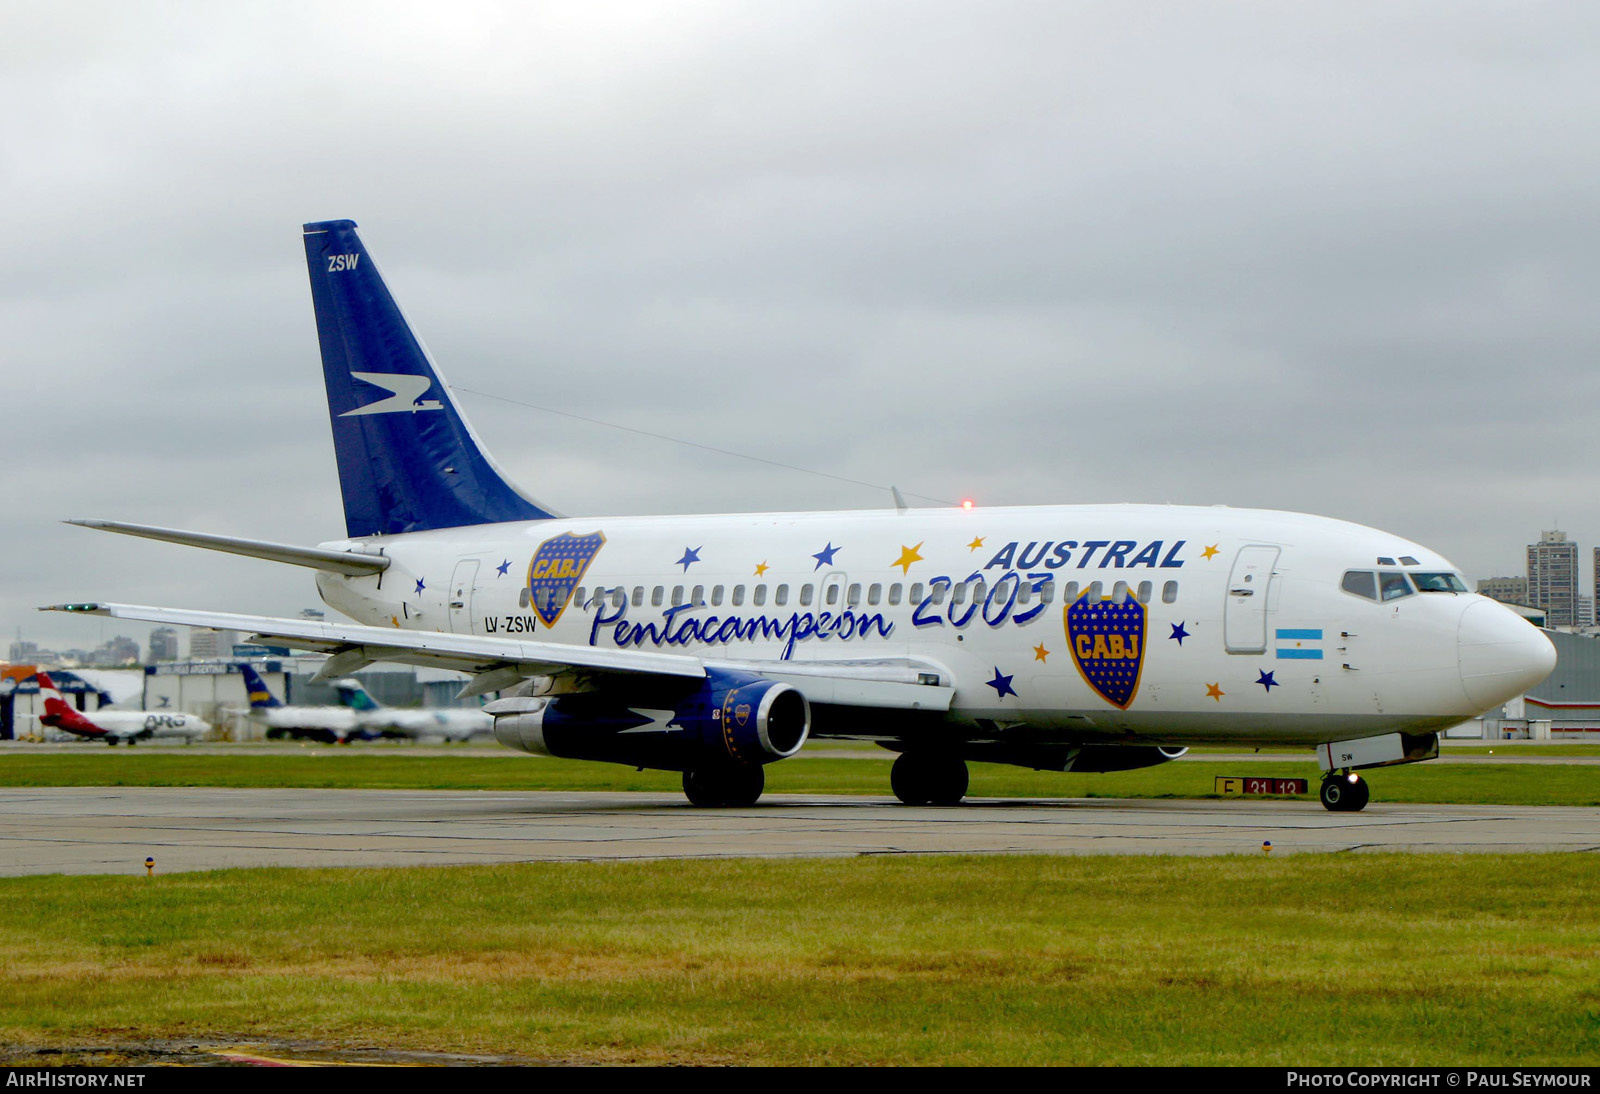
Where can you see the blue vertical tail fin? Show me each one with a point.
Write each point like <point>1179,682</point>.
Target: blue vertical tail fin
<point>408,460</point>
<point>260,697</point>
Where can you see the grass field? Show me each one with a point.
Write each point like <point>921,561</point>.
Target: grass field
<point>1308,960</point>
<point>1492,784</point>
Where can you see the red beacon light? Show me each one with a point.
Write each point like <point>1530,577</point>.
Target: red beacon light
<point>967,503</point>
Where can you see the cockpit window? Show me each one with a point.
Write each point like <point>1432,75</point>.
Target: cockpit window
<point>1361,583</point>
<point>1407,560</point>
<point>1439,583</point>
<point>1393,584</point>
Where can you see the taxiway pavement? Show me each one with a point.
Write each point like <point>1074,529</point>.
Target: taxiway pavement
<point>91,830</point>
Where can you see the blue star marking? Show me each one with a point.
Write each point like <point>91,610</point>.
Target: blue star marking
<point>824,557</point>
<point>691,555</point>
<point>1001,684</point>
<point>1178,633</point>
<point>1267,682</point>
<point>503,567</point>
<point>420,586</point>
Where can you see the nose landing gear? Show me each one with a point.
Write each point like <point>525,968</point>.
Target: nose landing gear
<point>1344,792</point>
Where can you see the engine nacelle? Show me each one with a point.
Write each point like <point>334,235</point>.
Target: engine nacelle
<point>727,718</point>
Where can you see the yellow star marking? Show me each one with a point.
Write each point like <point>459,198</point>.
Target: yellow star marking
<point>395,619</point>
<point>1214,691</point>
<point>1040,653</point>
<point>975,544</point>
<point>1209,551</point>
<point>908,555</point>
<point>761,569</point>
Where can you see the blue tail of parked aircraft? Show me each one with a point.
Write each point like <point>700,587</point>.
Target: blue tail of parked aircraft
<point>354,696</point>
<point>408,460</point>
<point>260,697</point>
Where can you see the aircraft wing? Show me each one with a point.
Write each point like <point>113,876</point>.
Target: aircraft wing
<point>496,663</point>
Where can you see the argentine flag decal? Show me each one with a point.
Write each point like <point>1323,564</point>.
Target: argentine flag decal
<point>1299,644</point>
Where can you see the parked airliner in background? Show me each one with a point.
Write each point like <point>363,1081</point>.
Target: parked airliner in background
<point>112,726</point>
<point>328,724</point>
<point>1066,638</point>
<point>378,720</point>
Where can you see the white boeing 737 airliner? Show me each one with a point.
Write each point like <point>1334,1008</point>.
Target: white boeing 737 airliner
<point>1064,638</point>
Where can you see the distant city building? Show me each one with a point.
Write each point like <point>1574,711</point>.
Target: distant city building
<point>24,651</point>
<point>1507,590</point>
<point>120,650</point>
<point>205,643</point>
<point>163,644</point>
<point>1585,611</point>
<point>1553,577</point>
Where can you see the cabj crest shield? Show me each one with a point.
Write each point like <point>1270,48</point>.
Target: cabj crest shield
<point>1107,643</point>
<point>556,569</point>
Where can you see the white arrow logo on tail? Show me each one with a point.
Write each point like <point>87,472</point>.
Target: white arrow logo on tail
<point>406,394</point>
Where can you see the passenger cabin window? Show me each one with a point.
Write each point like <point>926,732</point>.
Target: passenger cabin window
<point>677,595</point>
<point>1145,589</point>
<point>1394,584</point>
<point>638,595</point>
<point>874,594</point>
<point>698,597</point>
<point>716,596</point>
<point>1439,583</point>
<point>1069,592</point>
<point>580,598</point>
<point>1049,594</point>
<point>657,595</point>
<point>619,597</point>
<point>738,595</point>
<point>855,596</point>
<point>832,595</point>
<point>760,597</point>
<point>1169,592</point>
<point>780,595</point>
<point>1119,592</point>
<point>807,594</point>
<point>522,598</point>
<point>894,593</point>
<point>1360,583</point>
<point>916,592</point>
<point>1097,590</point>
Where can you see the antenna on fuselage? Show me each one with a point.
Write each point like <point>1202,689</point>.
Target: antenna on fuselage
<point>899,501</point>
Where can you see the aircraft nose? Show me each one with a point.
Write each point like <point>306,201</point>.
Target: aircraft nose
<point>1501,654</point>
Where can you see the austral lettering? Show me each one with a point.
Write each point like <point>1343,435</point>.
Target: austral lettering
<point>1119,554</point>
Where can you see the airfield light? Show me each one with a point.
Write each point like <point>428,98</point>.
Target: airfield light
<point>149,866</point>
<point>967,504</point>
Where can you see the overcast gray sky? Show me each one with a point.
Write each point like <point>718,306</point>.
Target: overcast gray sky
<point>1337,258</point>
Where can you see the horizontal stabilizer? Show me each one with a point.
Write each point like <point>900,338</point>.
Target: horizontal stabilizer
<point>352,563</point>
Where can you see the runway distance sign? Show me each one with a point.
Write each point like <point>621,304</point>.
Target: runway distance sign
<point>1257,784</point>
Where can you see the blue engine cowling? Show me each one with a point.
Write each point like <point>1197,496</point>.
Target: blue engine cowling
<point>727,718</point>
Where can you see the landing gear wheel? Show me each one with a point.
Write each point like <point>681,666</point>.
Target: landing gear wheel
<point>1344,793</point>
<point>920,778</point>
<point>724,787</point>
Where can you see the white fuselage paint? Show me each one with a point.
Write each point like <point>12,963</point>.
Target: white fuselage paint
<point>1247,588</point>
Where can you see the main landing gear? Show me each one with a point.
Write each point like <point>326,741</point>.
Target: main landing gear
<point>1344,792</point>
<point>929,778</point>
<point>725,786</point>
